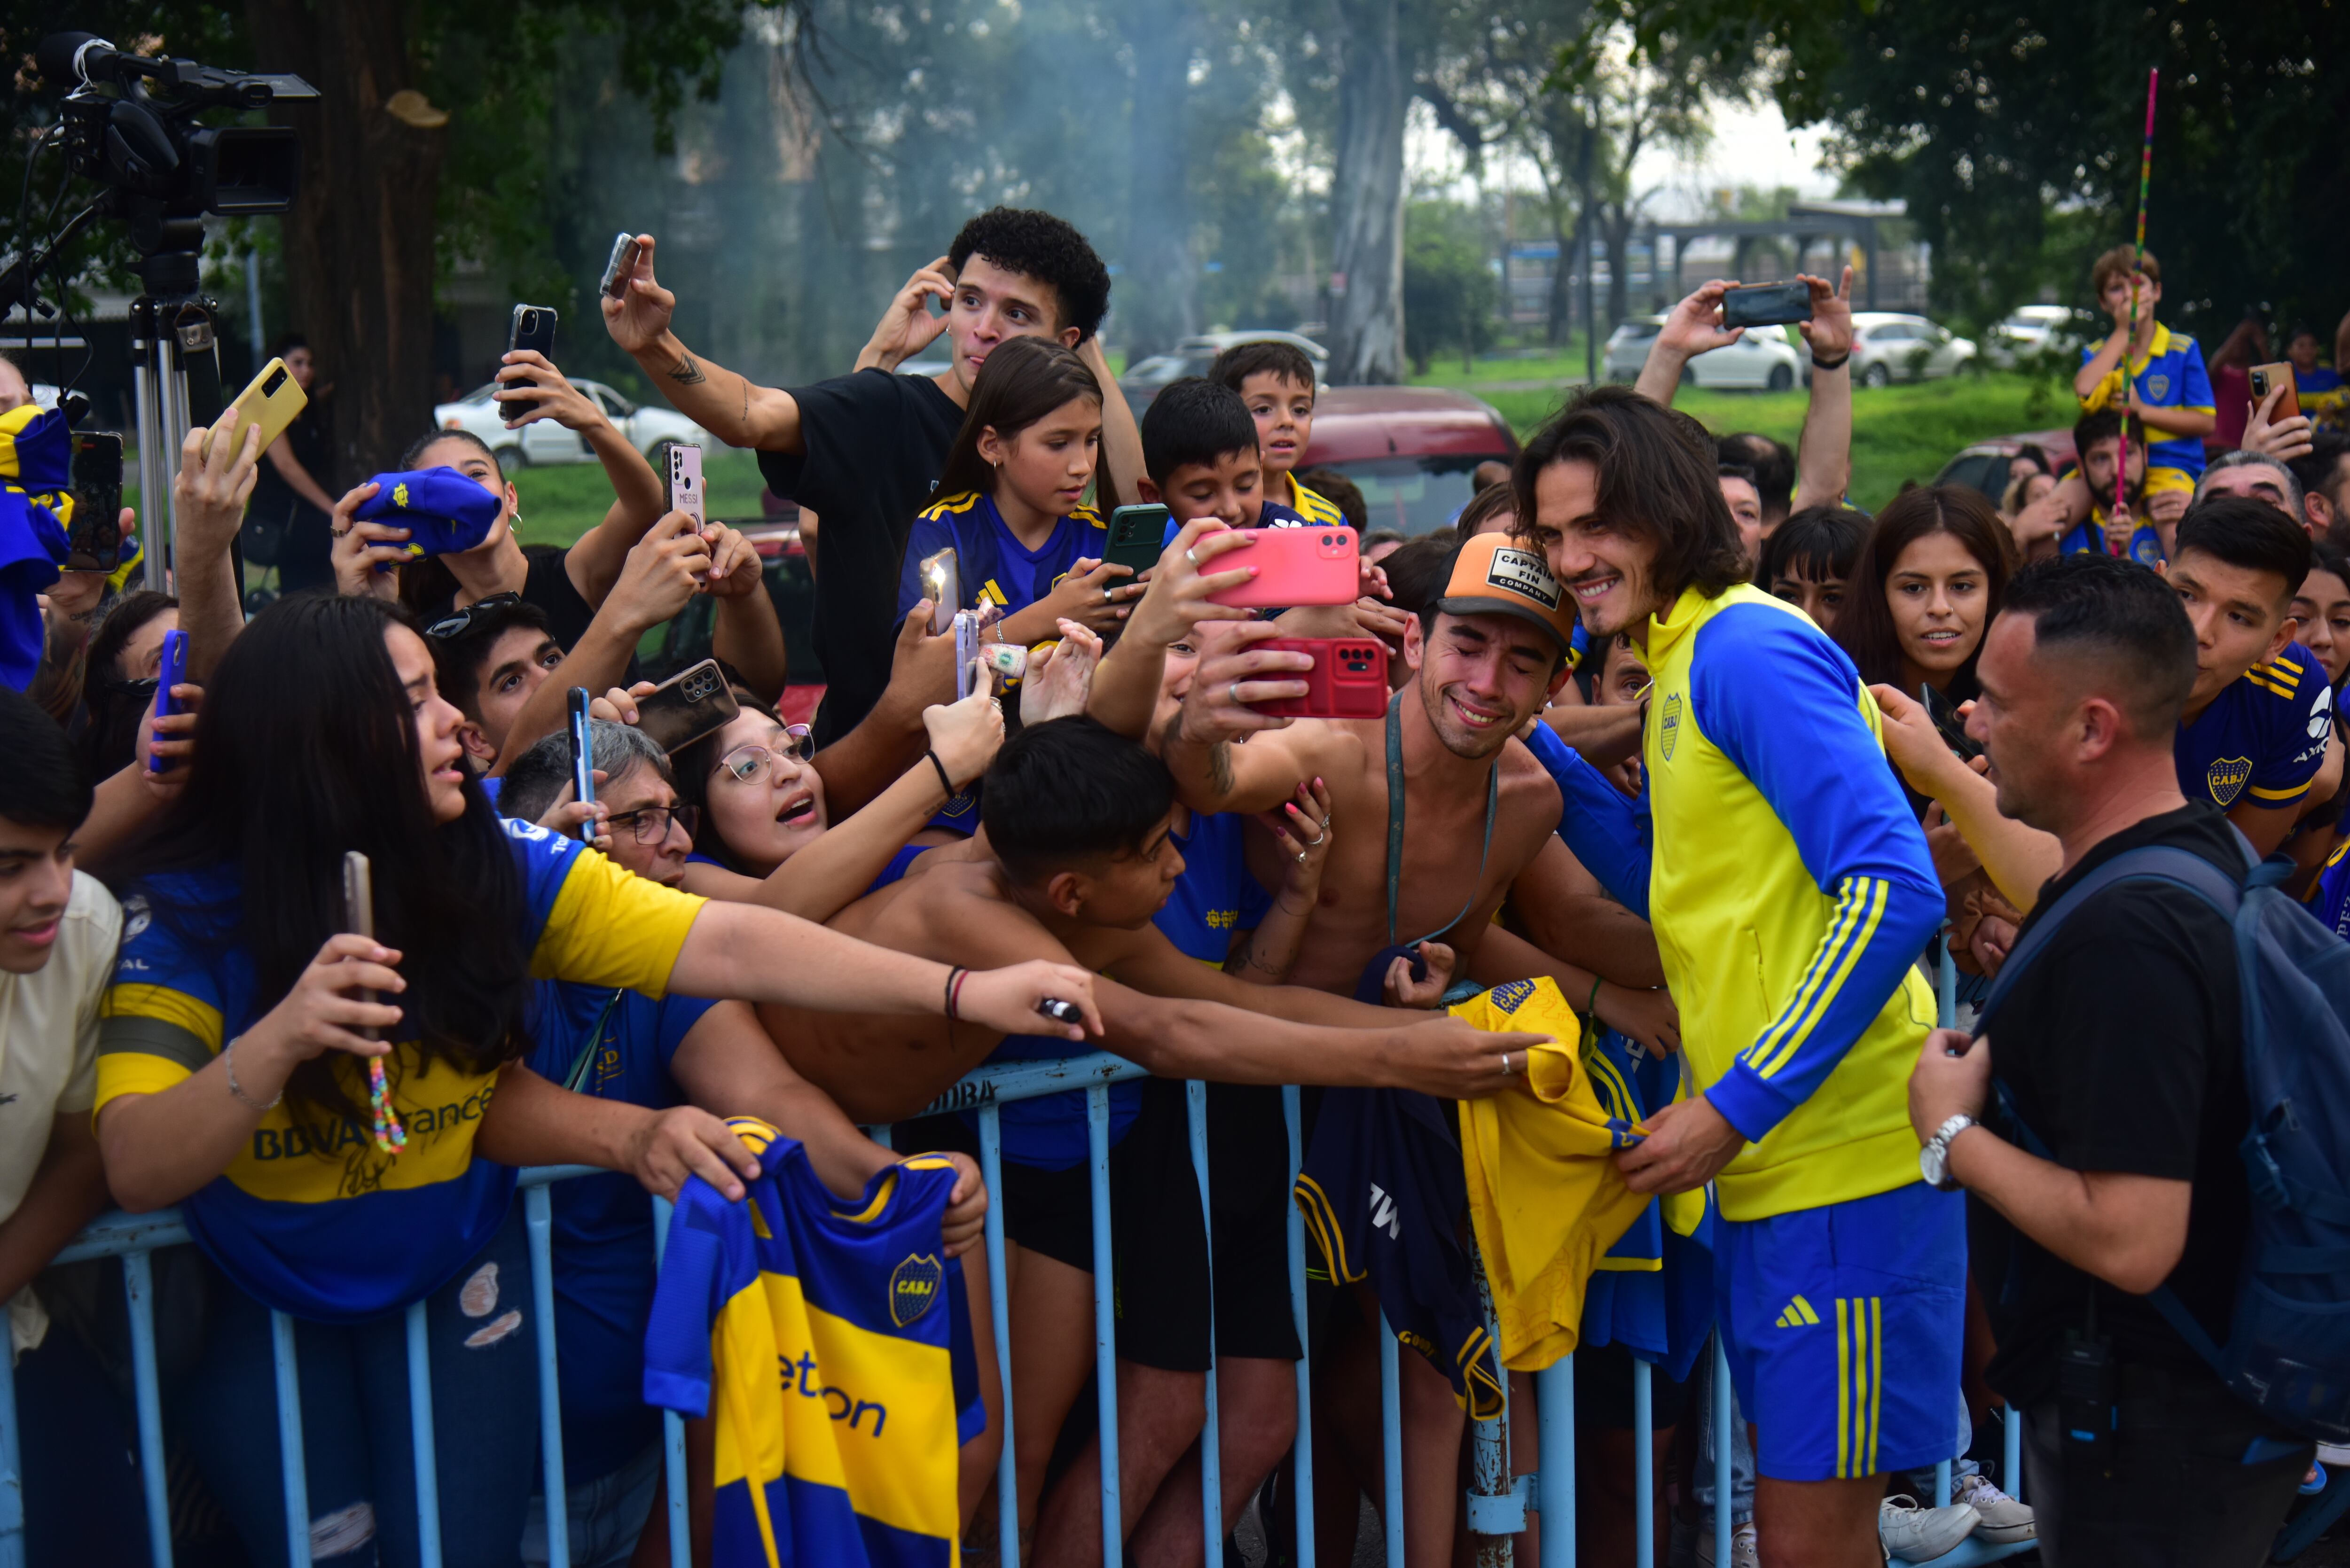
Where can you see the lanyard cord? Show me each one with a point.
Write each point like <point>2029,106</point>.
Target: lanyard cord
<point>1395,827</point>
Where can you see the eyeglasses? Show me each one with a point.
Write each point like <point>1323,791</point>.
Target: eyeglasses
<point>748,764</point>
<point>457,623</point>
<point>650,824</point>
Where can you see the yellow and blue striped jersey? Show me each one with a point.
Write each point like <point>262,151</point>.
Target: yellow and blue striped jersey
<point>2171,376</point>
<point>831,1342</point>
<point>309,1217</point>
<point>1318,510</point>
<point>1789,889</point>
<point>2264,737</point>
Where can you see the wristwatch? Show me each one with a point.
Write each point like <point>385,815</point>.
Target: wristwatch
<point>1934,1159</point>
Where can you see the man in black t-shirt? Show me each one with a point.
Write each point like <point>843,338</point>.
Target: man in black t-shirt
<point>2121,1048</point>
<point>863,451</point>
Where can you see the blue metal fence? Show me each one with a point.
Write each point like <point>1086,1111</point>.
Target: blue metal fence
<point>1496,1508</point>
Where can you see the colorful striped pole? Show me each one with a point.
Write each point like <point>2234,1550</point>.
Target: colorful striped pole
<point>2129,343</point>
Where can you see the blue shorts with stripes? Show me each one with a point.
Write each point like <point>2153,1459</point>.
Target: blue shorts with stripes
<point>1844,1326</point>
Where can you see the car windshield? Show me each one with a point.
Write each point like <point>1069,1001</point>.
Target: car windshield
<point>1415,494</point>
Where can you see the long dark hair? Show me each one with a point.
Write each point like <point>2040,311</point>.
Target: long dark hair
<point>305,749</point>
<point>1863,628</point>
<point>1021,382</point>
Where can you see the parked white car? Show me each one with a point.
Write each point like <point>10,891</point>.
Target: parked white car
<point>544,441</point>
<point>1761,360</point>
<point>1888,348</point>
<point>2031,328</point>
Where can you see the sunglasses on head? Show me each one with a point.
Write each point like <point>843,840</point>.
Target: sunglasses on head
<point>458,622</point>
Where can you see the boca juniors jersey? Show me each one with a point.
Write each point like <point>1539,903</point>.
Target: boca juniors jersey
<point>992,564</point>
<point>2264,737</point>
<point>831,1341</point>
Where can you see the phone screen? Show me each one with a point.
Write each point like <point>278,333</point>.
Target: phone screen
<point>1948,721</point>
<point>95,538</point>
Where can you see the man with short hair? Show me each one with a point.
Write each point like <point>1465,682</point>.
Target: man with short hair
<point>2135,1089</point>
<point>1743,496</point>
<point>1790,891</point>
<point>2254,474</point>
<point>2322,471</point>
<point>863,450</point>
<point>2086,494</point>
<point>487,658</point>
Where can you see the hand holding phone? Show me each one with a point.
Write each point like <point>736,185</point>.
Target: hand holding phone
<point>2266,379</point>
<point>94,542</point>
<point>1309,565</point>
<point>533,327</point>
<point>583,759</point>
<point>1949,723</point>
<point>943,585</point>
<point>621,268</point>
<point>173,671</point>
<point>270,400</point>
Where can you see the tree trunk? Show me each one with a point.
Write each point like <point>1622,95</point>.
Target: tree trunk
<point>1615,229</point>
<point>359,243</point>
<point>1160,302</point>
<point>1366,198</point>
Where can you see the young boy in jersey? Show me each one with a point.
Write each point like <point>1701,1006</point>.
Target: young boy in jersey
<point>2168,386</point>
<point>2257,722</point>
<point>1200,459</point>
<point>1275,380</point>
<point>1808,559</point>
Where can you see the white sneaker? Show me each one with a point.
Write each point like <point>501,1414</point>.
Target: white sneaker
<point>1917,1533</point>
<point>1743,1551</point>
<point>2004,1519</point>
<point>2334,1454</point>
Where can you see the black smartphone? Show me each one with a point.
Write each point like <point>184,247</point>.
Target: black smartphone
<point>1952,725</point>
<point>533,328</point>
<point>1767,304</point>
<point>95,541</point>
<point>583,759</point>
<point>1137,536</point>
<point>687,706</point>
<point>621,268</point>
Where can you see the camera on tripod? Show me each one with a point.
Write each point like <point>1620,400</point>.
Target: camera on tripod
<point>144,142</point>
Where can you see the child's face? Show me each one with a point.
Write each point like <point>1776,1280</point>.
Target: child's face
<point>1230,490</point>
<point>1047,466</point>
<point>1283,412</point>
<point>2117,297</point>
<point>2303,353</point>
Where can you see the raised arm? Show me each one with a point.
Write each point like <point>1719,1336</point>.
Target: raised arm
<point>639,495</point>
<point>1174,602</point>
<point>1121,437</point>
<point>727,405</point>
<point>1693,327</point>
<point>745,631</point>
<point>2019,859</point>
<point>1213,772</point>
<point>209,495</point>
<point>888,740</point>
<point>1823,451</point>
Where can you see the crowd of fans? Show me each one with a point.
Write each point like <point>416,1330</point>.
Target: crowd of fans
<point>1682,738</point>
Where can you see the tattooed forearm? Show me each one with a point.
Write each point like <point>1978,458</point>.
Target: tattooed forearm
<point>685,372</point>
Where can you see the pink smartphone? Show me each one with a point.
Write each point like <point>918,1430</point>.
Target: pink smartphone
<point>1309,565</point>
<point>685,483</point>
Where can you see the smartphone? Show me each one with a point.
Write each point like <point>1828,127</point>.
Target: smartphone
<point>621,268</point>
<point>690,705</point>
<point>1348,680</point>
<point>359,911</point>
<point>583,759</point>
<point>2266,379</point>
<point>1295,566</point>
<point>685,481</point>
<point>533,327</point>
<point>943,584</point>
<point>94,543</point>
<point>174,670</point>
<point>1953,727</point>
<point>1767,304</point>
<point>1137,536</point>
<point>270,399</point>
<point>966,635</point>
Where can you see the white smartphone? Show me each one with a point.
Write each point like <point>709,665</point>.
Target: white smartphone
<point>685,483</point>
<point>966,635</point>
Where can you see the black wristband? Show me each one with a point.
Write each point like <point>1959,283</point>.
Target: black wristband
<point>1835,364</point>
<point>944,782</point>
<point>954,984</point>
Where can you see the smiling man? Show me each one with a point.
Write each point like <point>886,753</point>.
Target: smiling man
<point>863,451</point>
<point>1790,891</point>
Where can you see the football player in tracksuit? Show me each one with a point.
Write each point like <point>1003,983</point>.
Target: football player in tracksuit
<point>1790,891</point>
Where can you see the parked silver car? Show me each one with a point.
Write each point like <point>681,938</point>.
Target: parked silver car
<point>1193,355</point>
<point>545,441</point>
<point>2032,327</point>
<point>1761,360</point>
<point>1888,348</point>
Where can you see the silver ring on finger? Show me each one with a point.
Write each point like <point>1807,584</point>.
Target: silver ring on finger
<point>1109,594</point>
<point>1192,557</point>
<point>1317,841</point>
<point>1507,1071</point>
<point>1301,857</point>
<point>1232,693</point>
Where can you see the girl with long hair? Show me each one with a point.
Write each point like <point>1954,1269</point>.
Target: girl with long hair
<point>1924,590</point>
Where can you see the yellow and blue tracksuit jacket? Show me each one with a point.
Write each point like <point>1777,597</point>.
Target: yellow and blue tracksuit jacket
<point>1789,889</point>
<point>2170,374</point>
<point>1316,508</point>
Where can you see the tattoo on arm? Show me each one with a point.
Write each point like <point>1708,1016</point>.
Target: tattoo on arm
<point>685,372</point>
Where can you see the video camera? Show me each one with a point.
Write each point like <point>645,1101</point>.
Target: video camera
<point>142,139</point>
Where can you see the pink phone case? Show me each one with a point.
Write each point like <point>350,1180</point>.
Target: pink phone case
<point>1309,565</point>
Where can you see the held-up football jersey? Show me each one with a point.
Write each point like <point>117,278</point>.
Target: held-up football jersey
<point>832,1342</point>
<point>992,565</point>
<point>2264,737</point>
<point>310,1218</point>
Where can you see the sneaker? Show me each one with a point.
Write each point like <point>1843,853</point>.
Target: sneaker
<point>1916,1533</point>
<point>1743,1551</point>
<point>2004,1519</point>
<point>2334,1454</point>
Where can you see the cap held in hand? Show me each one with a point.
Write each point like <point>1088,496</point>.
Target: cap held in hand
<point>444,512</point>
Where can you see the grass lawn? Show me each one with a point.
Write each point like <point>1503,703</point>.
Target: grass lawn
<point>1899,433</point>
<point>559,504</point>
<point>1563,364</point>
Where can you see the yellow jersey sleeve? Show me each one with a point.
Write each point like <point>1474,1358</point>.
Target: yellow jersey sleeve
<point>610,927</point>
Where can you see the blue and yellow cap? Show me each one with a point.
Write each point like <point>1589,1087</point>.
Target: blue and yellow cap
<point>444,512</point>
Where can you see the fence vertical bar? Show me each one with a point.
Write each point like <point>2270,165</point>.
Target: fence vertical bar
<point>12,1474</point>
<point>1212,1468</point>
<point>1554,1413</point>
<point>139,1295</point>
<point>420,1427</point>
<point>1946,984</point>
<point>1721,1441</point>
<point>1391,1440</point>
<point>1302,1471</point>
<point>291,1461</point>
<point>1644,1464</point>
<point>680,1530</point>
<point>999,1302</point>
<point>1113,1521</point>
<point>1489,1464</point>
<point>1942,1483</point>
<point>2010,1455</point>
<point>538,1221</point>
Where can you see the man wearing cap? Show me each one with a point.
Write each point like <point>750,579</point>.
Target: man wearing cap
<point>1791,892</point>
<point>1441,810</point>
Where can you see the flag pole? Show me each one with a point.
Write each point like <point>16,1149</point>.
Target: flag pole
<point>2129,342</point>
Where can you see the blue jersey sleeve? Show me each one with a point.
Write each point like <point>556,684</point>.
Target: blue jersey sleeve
<point>2297,712</point>
<point>2195,381</point>
<point>927,536</point>
<point>692,1290</point>
<point>1784,704</point>
<point>1609,834</point>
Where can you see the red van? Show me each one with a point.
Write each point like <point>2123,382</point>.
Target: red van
<point>1410,449</point>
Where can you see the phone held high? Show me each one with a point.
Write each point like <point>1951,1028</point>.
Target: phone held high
<point>271,401</point>
<point>685,483</point>
<point>690,705</point>
<point>1766,304</point>
<point>621,268</point>
<point>94,540</point>
<point>583,759</point>
<point>358,909</point>
<point>2266,379</point>
<point>943,585</point>
<point>1348,680</point>
<point>533,327</point>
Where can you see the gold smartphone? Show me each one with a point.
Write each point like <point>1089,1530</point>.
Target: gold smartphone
<point>271,399</point>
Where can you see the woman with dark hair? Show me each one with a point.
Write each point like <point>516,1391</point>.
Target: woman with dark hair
<point>1011,501</point>
<point>338,1157</point>
<point>1924,590</point>
<point>125,655</point>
